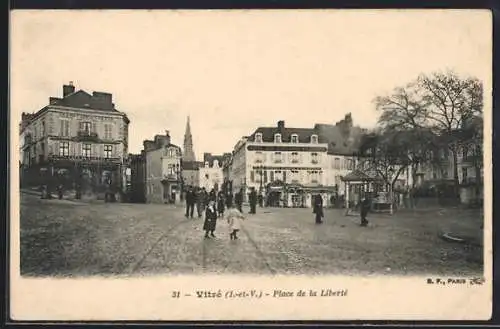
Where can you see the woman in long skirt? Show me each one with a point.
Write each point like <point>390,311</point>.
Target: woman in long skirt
<point>210,220</point>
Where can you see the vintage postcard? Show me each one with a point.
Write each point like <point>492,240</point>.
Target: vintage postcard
<point>251,165</point>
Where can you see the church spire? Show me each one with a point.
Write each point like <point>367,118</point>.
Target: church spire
<point>188,143</point>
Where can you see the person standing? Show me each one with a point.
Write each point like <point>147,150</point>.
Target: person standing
<point>199,202</point>
<point>220,204</point>
<point>210,220</point>
<point>365,207</point>
<point>190,200</point>
<point>318,208</point>
<point>229,200</point>
<point>253,201</point>
<point>233,219</point>
<point>238,200</point>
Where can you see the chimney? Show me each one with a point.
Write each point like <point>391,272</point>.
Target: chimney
<point>68,89</point>
<point>281,124</point>
<point>167,137</point>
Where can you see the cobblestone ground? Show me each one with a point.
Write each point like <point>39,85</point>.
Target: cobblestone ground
<point>65,238</point>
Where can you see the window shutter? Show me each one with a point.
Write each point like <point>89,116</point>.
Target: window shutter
<point>61,129</point>
<point>56,150</point>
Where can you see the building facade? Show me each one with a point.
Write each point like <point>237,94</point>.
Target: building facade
<point>79,140</point>
<point>211,174</point>
<point>163,170</point>
<point>191,173</point>
<point>273,157</point>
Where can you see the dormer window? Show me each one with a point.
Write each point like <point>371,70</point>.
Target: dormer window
<point>206,164</point>
<point>295,138</point>
<point>277,138</point>
<point>314,139</point>
<point>258,137</point>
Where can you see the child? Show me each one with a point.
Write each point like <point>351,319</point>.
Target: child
<point>233,219</point>
<point>210,220</point>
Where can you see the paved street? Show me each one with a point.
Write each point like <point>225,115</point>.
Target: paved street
<point>66,238</point>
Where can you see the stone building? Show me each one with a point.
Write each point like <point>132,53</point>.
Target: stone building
<point>211,173</point>
<point>79,140</point>
<point>163,170</point>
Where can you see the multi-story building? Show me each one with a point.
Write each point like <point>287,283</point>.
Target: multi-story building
<point>78,140</point>
<point>191,173</point>
<point>211,174</point>
<point>137,164</point>
<point>163,170</point>
<point>272,157</point>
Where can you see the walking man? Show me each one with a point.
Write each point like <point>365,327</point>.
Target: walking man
<point>199,199</point>
<point>253,201</point>
<point>365,207</point>
<point>238,200</point>
<point>318,208</point>
<point>190,199</point>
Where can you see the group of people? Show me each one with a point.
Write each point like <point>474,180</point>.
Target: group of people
<point>213,204</point>
<point>365,205</point>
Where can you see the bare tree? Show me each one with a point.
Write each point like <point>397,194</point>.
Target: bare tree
<point>437,109</point>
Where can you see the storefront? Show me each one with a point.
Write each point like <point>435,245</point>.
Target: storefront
<point>275,194</point>
<point>295,197</point>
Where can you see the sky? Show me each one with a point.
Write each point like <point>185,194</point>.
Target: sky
<point>232,71</point>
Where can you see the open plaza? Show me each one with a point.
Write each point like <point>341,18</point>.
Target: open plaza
<point>78,238</point>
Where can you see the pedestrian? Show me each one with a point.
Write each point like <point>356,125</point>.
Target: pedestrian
<point>220,204</point>
<point>229,200</point>
<point>210,220</point>
<point>199,202</point>
<point>190,200</point>
<point>365,207</point>
<point>234,218</point>
<point>238,200</point>
<point>253,201</point>
<point>318,208</point>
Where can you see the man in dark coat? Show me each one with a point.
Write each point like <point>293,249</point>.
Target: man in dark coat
<point>190,200</point>
<point>238,200</point>
<point>210,220</point>
<point>199,199</point>
<point>253,201</point>
<point>220,204</point>
<point>229,200</point>
<point>365,207</point>
<point>318,208</point>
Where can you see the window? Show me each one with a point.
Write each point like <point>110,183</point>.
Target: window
<point>258,157</point>
<point>295,157</point>
<point>258,137</point>
<point>314,158</point>
<point>295,138</point>
<point>314,176</point>
<point>271,176</point>
<point>108,151</point>
<point>314,139</point>
<point>43,128</point>
<point>464,175</point>
<point>252,176</point>
<point>86,127</point>
<point>64,149</point>
<point>64,131</point>
<point>108,131</point>
<point>86,150</point>
<point>350,164</point>
<point>277,157</point>
<point>265,177</point>
<point>277,138</point>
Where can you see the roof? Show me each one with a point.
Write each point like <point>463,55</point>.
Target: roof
<point>208,157</point>
<point>268,133</point>
<point>81,99</point>
<point>357,176</point>
<point>340,142</point>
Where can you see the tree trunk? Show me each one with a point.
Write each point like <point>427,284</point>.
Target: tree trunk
<point>455,172</point>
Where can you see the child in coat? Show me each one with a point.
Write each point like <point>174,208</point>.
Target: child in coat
<point>234,218</point>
